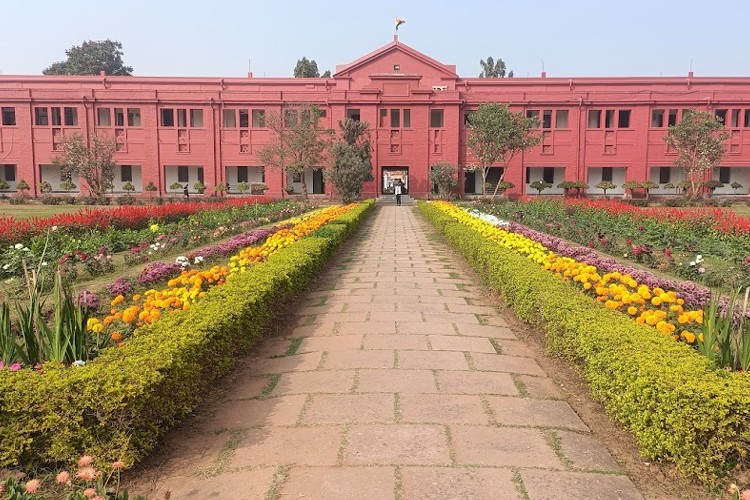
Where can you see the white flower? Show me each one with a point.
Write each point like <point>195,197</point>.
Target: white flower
<point>5,267</point>
<point>18,246</point>
<point>692,263</point>
<point>698,258</point>
<point>182,261</point>
<point>54,228</point>
<point>25,249</point>
<point>44,263</point>
<point>10,280</point>
<point>79,363</point>
<point>198,260</point>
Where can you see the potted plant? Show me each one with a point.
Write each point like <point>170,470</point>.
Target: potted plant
<point>199,187</point>
<point>67,185</point>
<point>540,186</point>
<point>735,186</point>
<point>631,186</point>
<point>605,185</point>
<point>150,187</point>
<point>4,185</point>
<point>568,187</point>
<point>45,187</point>
<point>712,185</point>
<point>23,186</point>
<point>258,188</point>
<point>648,186</point>
<point>669,185</point>
<point>176,186</point>
<point>242,187</point>
<point>289,189</point>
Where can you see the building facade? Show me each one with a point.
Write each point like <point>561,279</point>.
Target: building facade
<point>174,132</point>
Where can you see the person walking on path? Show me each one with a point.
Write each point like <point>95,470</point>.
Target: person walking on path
<point>398,189</point>
<point>185,192</point>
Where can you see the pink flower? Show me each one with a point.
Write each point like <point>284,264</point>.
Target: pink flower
<point>701,270</point>
<point>87,474</point>
<point>32,486</point>
<point>85,461</point>
<point>745,495</point>
<point>15,367</point>
<point>118,465</point>
<point>63,477</point>
<point>89,492</point>
<point>2,365</point>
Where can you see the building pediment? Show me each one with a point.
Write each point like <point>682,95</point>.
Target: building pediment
<point>395,61</point>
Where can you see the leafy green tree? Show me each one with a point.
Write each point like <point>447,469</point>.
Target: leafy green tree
<point>496,134</point>
<point>351,159</point>
<point>698,141</point>
<point>22,186</point>
<point>298,142</point>
<point>151,187</point>
<point>327,74</point>
<point>90,58</point>
<point>735,186</point>
<point>306,69</point>
<point>493,69</point>
<point>648,186</point>
<point>92,162</point>
<point>444,176</point>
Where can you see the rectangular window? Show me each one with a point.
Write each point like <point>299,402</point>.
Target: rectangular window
<point>623,118</point>
<point>407,118</point>
<point>196,118</point>
<point>119,117</point>
<point>561,118</point>
<point>607,174</point>
<point>167,117</point>
<point>56,116</point>
<point>353,114</point>
<point>724,176</point>
<point>10,173</point>
<point>436,118</point>
<point>134,117</point>
<point>609,118</point>
<point>103,117</point>
<point>126,173</point>
<point>657,118</point>
<point>547,118</point>
<point>534,114</point>
<point>182,174</point>
<point>395,118</point>
<point>470,181</point>
<point>245,119</point>
<point>735,118</point>
<point>290,118</point>
<point>746,123</point>
<point>548,174</point>
<point>242,174</point>
<point>528,175</point>
<point>721,114</point>
<point>665,174</point>
<point>672,120</point>
<point>259,118</point>
<point>595,117</point>
<point>182,118</point>
<point>383,118</point>
<point>200,175</point>
<point>230,118</point>
<point>9,116</point>
<point>40,116</point>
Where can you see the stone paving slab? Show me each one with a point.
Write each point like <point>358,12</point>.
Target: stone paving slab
<point>407,383</point>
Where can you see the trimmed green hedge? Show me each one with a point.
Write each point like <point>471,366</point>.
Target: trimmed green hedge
<point>117,406</point>
<point>679,408</point>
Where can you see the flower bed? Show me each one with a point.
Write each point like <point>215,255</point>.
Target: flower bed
<point>677,405</point>
<point>117,406</point>
<point>710,246</point>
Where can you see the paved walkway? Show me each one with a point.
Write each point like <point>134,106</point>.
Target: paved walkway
<point>399,382</point>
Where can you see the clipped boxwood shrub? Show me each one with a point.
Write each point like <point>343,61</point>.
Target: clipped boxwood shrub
<point>117,406</point>
<point>677,405</point>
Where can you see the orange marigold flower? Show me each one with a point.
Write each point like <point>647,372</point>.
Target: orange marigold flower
<point>116,336</point>
<point>632,310</point>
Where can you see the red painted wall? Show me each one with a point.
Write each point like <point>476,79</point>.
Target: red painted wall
<point>392,77</point>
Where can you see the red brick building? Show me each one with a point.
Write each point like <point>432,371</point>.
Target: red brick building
<point>180,130</point>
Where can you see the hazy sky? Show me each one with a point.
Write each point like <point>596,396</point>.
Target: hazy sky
<point>221,37</point>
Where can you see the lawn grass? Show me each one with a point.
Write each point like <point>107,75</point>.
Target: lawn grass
<point>29,210</point>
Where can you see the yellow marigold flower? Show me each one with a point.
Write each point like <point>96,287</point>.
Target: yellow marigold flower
<point>632,310</point>
<point>587,286</point>
<point>136,297</point>
<point>91,323</point>
<point>690,337</point>
<point>656,301</point>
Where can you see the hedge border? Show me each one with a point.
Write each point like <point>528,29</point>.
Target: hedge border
<point>118,406</point>
<point>679,408</point>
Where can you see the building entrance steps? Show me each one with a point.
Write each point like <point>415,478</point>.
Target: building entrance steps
<point>391,384</point>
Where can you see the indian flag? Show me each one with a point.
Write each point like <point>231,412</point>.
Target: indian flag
<point>399,22</point>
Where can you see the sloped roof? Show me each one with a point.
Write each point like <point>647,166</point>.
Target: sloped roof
<point>396,46</point>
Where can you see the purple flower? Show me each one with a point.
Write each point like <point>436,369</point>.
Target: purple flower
<point>121,286</point>
<point>159,271</point>
<point>88,300</point>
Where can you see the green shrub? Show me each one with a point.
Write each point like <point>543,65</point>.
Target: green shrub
<point>117,406</point>
<point>678,407</point>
